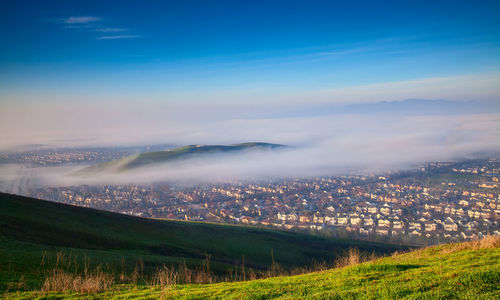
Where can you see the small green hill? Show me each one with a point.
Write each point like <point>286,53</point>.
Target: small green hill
<point>33,233</point>
<point>177,154</point>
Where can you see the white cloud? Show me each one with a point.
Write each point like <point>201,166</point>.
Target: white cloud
<point>117,37</point>
<point>94,24</point>
<point>110,29</point>
<point>80,20</point>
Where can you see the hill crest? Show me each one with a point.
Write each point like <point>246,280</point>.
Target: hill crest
<point>177,154</point>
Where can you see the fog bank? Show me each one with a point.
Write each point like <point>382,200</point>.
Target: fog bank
<point>323,145</point>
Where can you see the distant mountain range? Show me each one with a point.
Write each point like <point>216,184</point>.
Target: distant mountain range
<point>177,154</point>
<point>419,107</point>
<point>408,107</point>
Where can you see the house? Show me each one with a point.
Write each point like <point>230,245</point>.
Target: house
<point>450,225</point>
<point>317,227</point>
<point>397,224</point>
<point>303,226</point>
<point>266,222</point>
<point>469,235</point>
<point>384,223</point>
<point>385,209</point>
<point>317,218</point>
<point>414,226</point>
<point>430,226</point>
<point>368,221</point>
<point>364,231</point>
<point>342,220</point>
<point>248,220</point>
<point>372,209</point>
<point>415,233</point>
<point>355,221</point>
<point>463,202</point>
<point>397,210</point>
<point>304,219</point>
<point>471,225</point>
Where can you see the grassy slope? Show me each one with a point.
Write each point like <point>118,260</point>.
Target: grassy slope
<point>448,271</point>
<point>29,227</point>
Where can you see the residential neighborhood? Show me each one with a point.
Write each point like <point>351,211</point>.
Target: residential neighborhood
<point>437,202</point>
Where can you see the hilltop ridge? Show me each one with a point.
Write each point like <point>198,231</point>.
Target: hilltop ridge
<point>177,154</point>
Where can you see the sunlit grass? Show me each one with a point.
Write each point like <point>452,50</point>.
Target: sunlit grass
<point>467,270</point>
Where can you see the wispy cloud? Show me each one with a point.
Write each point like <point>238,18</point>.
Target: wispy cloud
<point>117,37</point>
<point>110,29</point>
<point>80,20</point>
<point>96,25</point>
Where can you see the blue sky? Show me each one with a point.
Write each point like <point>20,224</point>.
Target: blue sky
<point>246,51</point>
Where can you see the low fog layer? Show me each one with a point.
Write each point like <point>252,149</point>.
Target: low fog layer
<point>125,124</point>
<point>332,144</point>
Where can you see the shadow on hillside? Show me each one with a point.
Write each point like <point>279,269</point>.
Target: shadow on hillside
<point>385,267</point>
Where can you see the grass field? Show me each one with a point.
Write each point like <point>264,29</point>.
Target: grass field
<point>454,271</point>
<point>38,236</point>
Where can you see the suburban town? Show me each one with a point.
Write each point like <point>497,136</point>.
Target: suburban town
<point>40,155</point>
<point>437,202</point>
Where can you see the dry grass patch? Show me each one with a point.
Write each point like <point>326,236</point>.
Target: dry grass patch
<point>353,257</point>
<point>488,242</point>
<point>164,278</point>
<point>61,281</point>
<point>492,241</point>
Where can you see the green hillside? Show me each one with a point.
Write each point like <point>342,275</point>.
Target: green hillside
<point>33,233</point>
<point>180,153</point>
<point>454,271</point>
